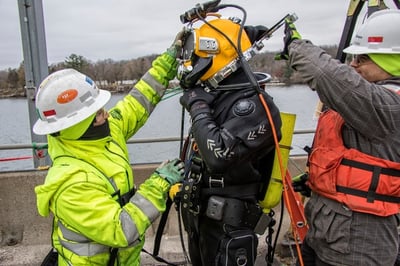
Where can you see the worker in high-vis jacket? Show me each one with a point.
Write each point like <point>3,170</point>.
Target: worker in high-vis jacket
<point>100,218</point>
<point>354,164</point>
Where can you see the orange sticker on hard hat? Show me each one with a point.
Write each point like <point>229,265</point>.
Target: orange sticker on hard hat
<point>67,96</point>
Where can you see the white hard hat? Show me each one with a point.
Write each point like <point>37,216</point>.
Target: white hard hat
<point>66,98</point>
<point>380,34</point>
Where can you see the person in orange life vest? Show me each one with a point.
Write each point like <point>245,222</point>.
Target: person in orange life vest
<point>354,165</point>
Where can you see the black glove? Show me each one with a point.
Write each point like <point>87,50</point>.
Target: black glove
<point>197,95</point>
<point>299,184</point>
<point>197,101</point>
<point>291,34</point>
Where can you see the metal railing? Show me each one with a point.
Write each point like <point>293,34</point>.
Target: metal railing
<point>40,149</point>
<point>130,141</point>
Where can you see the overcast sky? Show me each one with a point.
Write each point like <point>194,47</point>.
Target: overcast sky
<point>127,29</point>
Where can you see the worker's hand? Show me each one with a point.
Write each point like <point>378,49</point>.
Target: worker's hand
<point>299,184</point>
<point>197,95</point>
<point>172,171</point>
<point>174,190</point>
<point>175,49</point>
<point>291,34</point>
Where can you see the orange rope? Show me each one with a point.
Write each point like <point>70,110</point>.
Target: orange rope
<point>276,141</point>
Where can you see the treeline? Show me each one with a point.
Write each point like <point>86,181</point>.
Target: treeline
<point>118,76</point>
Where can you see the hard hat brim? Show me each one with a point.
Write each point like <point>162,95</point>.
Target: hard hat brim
<point>357,49</point>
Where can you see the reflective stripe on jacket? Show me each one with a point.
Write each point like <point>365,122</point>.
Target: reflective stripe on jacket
<point>362,182</point>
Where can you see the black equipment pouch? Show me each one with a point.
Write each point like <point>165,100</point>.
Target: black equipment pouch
<point>263,223</point>
<point>234,212</point>
<point>215,208</point>
<point>238,247</point>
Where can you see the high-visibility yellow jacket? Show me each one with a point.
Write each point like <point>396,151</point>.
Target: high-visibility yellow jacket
<point>88,177</point>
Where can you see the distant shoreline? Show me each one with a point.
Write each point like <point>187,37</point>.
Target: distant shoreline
<point>12,93</point>
<point>21,93</point>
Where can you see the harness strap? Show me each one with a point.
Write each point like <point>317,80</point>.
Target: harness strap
<point>113,256</point>
<point>248,191</point>
<point>190,193</point>
<point>190,198</point>
<point>371,194</point>
<point>374,184</point>
<point>159,259</point>
<point>124,199</point>
<point>160,228</point>
<point>158,237</point>
<point>369,167</point>
<point>364,194</point>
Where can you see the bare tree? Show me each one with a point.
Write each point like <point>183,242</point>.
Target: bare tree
<point>108,72</point>
<point>12,78</point>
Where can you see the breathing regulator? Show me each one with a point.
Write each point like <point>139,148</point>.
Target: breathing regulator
<point>214,47</point>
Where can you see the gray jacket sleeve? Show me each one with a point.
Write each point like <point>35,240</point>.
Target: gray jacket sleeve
<point>371,111</point>
<point>367,107</point>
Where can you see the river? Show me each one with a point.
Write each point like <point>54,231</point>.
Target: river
<point>165,121</point>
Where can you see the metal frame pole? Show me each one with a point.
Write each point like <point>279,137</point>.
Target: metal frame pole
<point>35,60</point>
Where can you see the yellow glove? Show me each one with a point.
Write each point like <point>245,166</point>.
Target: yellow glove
<point>175,189</point>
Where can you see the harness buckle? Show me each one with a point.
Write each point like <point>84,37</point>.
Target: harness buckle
<point>216,182</point>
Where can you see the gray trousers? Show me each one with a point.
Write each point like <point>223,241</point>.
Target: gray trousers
<point>339,236</point>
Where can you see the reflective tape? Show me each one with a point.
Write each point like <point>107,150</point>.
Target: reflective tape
<point>145,206</point>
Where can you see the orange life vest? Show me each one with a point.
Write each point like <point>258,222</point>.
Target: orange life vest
<point>362,182</point>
